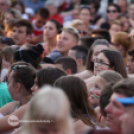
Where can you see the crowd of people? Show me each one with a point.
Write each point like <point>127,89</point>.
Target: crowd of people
<point>66,66</point>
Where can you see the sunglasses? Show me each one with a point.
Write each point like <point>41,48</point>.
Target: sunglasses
<point>82,32</point>
<point>111,11</point>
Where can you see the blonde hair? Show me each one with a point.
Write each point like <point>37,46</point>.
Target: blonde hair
<point>76,22</point>
<point>49,104</point>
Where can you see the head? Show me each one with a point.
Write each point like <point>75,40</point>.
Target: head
<point>80,26</point>
<point>22,31</point>
<point>11,14</point>
<point>96,48</point>
<point>76,91</point>
<point>46,76</point>
<point>42,17</point>
<point>123,44</point>
<point>79,54</point>
<point>116,26</point>
<point>100,81</point>
<point>131,10</point>
<point>85,14</point>
<point>123,5</point>
<point>68,38</point>
<point>123,88</point>
<point>19,82</point>
<point>127,119</point>
<point>101,33</point>
<point>67,64</point>
<point>55,116</point>
<point>52,29</point>
<point>4,5</point>
<point>110,60</point>
<point>7,54</point>
<point>113,11</point>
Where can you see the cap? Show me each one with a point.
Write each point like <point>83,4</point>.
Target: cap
<point>126,101</point>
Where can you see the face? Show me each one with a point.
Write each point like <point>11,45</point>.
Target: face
<point>97,50</point>
<point>19,8</point>
<point>19,35</point>
<point>131,11</point>
<point>8,16</point>
<point>114,28</point>
<point>3,5</point>
<point>127,120</point>
<point>50,30</point>
<point>101,63</point>
<point>95,91</point>
<point>112,13</point>
<point>114,110</point>
<point>123,5</point>
<point>35,87</point>
<point>2,46</point>
<point>130,64</point>
<point>125,22</point>
<point>66,42</point>
<point>40,22</point>
<point>52,12</point>
<point>85,16</point>
<point>82,30</point>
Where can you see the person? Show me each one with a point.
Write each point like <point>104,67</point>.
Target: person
<point>131,12</point>
<point>98,45</point>
<point>38,25</point>
<point>84,117</point>
<point>67,64</point>
<point>124,44</point>
<point>67,39</point>
<point>79,54</point>
<point>110,60</point>
<point>127,119</point>
<point>50,33</point>
<point>123,6</point>
<point>57,113</point>
<point>22,31</point>
<point>85,16</point>
<point>80,26</point>
<point>114,109</point>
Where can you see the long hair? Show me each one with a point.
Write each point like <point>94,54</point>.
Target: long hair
<point>76,90</point>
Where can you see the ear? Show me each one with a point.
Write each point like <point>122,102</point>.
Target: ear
<point>18,87</point>
<point>68,72</point>
<point>111,68</point>
<point>120,47</point>
<point>79,62</point>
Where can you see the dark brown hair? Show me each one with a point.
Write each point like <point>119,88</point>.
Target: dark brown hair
<point>76,90</point>
<point>43,12</point>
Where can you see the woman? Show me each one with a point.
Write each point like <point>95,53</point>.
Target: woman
<point>20,79</point>
<point>51,30</point>
<point>98,45</point>
<point>55,117</point>
<point>110,60</point>
<point>81,110</point>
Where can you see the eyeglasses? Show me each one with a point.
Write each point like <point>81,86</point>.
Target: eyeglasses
<point>113,11</point>
<point>100,62</point>
<point>82,32</point>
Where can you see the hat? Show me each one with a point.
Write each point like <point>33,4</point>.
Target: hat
<point>126,101</point>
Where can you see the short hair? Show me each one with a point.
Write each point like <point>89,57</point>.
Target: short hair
<point>26,23</point>
<point>117,22</point>
<point>102,33</point>
<point>106,93</point>
<point>49,76</point>
<point>116,6</point>
<point>76,22</point>
<point>67,63</point>
<point>131,53</point>
<point>43,12</point>
<point>80,53</point>
<point>125,87</point>
<point>72,31</point>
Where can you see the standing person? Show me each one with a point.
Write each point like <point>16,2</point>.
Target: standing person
<point>22,31</point>
<point>51,30</point>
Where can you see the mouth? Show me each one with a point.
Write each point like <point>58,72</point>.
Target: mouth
<point>108,118</point>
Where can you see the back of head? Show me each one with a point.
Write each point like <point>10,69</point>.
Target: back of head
<point>67,63</point>
<point>125,87</point>
<point>116,61</point>
<point>56,113</point>
<point>76,91</point>
<point>76,22</point>
<point>43,12</point>
<point>101,33</point>
<point>48,76</point>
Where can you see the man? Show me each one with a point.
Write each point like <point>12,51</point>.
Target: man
<point>4,5</point>
<point>130,61</point>
<point>122,89</point>
<point>79,54</point>
<point>127,119</point>
<point>123,6</point>
<point>67,64</point>
<point>22,31</point>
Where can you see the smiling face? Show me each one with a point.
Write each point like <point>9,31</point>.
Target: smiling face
<point>114,110</point>
<point>95,91</point>
<point>101,63</point>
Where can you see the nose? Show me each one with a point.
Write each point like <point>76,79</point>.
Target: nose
<point>108,108</point>
<point>34,88</point>
<point>128,63</point>
<point>91,91</point>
